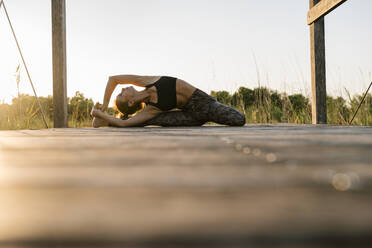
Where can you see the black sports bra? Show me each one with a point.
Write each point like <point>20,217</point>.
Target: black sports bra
<point>166,89</point>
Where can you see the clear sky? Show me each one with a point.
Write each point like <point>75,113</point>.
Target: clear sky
<point>215,45</point>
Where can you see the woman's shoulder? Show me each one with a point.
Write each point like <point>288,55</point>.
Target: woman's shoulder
<point>147,80</point>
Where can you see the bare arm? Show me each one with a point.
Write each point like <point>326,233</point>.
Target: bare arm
<point>113,81</point>
<point>137,120</point>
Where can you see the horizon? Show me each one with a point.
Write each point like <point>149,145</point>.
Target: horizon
<point>229,47</point>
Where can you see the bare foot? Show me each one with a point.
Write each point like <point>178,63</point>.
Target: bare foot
<point>97,122</point>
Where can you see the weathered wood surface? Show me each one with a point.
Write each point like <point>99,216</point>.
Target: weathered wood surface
<point>260,185</point>
<point>318,69</point>
<point>59,63</point>
<point>321,9</point>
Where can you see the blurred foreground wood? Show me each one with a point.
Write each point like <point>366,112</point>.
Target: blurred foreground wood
<point>259,185</point>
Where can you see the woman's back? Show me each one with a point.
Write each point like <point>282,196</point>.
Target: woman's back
<point>171,93</point>
<point>184,91</point>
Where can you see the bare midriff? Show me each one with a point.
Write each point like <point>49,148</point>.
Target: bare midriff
<point>184,91</point>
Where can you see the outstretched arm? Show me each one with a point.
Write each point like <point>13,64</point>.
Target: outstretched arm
<point>137,120</point>
<point>113,81</point>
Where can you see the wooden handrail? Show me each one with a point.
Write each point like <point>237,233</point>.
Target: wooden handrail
<point>322,9</point>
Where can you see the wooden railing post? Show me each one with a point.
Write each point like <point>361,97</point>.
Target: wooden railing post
<point>318,70</point>
<point>59,63</point>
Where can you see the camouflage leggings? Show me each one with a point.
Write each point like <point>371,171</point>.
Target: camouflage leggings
<point>200,108</point>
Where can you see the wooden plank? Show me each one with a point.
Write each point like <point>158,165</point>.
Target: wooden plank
<point>237,217</point>
<point>318,70</point>
<point>59,63</point>
<point>199,187</point>
<point>321,9</point>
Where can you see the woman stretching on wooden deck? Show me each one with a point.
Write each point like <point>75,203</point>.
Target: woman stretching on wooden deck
<point>165,101</point>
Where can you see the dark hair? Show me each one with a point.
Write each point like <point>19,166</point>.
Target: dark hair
<point>124,109</point>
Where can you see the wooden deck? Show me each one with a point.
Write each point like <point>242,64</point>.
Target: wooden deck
<point>259,185</point>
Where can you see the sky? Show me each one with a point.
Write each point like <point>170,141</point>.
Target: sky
<point>214,45</point>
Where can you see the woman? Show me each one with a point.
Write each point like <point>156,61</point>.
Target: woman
<point>165,101</point>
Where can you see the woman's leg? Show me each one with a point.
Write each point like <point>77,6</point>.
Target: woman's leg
<point>205,108</point>
<point>97,122</point>
<point>174,119</point>
<point>225,115</point>
<point>165,119</point>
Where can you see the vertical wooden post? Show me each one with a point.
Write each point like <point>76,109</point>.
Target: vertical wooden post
<point>59,63</point>
<point>318,70</point>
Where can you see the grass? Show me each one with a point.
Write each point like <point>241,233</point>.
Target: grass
<point>24,113</point>
<point>260,105</point>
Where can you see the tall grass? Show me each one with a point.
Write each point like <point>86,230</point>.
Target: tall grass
<point>262,105</point>
<point>24,113</point>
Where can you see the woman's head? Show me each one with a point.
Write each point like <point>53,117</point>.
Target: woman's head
<point>126,102</point>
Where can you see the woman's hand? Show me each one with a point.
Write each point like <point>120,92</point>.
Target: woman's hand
<point>103,108</point>
<point>97,108</point>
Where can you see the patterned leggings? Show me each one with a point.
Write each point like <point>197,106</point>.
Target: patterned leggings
<point>200,108</point>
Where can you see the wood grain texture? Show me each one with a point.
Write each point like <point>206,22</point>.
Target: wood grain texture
<point>59,63</point>
<point>212,186</point>
<point>318,70</point>
<point>321,9</point>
